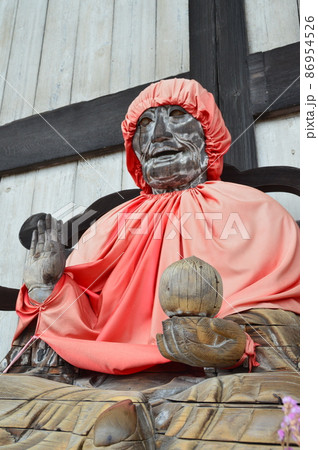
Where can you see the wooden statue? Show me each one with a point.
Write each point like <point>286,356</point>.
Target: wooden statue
<point>175,138</point>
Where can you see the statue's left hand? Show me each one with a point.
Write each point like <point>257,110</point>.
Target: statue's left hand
<point>46,259</point>
<point>202,341</point>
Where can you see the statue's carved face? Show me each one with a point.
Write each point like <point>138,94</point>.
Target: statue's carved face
<point>169,143</point>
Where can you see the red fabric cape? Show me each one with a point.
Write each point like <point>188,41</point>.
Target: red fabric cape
<point>104,312</point>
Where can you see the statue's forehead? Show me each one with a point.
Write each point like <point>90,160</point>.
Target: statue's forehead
<point>160,108</point>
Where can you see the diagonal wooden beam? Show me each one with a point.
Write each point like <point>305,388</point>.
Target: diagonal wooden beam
<point>86,128</point>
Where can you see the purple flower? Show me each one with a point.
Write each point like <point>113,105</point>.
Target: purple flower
<point>290,426</point>
<point>281,435</point>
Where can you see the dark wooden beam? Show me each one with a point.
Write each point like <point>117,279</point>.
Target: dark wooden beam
<point>85,128</point>
<point>8,298</point>
<point>266,179</point>
<point>274,80</point>
<point>202,44</point>
<point>233,81</point>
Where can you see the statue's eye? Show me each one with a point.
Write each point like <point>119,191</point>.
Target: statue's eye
<point>177,113</point>
<point>145,121</point>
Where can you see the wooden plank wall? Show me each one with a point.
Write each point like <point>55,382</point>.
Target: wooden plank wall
<point>271,24</point>
<point>57,52</point>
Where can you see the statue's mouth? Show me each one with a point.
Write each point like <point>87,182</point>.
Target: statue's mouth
<point>161,153</point>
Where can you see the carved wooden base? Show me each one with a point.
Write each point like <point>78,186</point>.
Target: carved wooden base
<point>35,411</point>
<point>191,408</point>
<point>231,411</point>
<point>225,411</point>
<point>278,334</point>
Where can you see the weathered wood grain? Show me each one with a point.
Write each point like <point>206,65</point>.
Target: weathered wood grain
<point>54,190</point>
<point>234,424</point>
<point>277,332</point>
<point>54,82</point>
<point>232,409</point>
<point>278,358</point>
<point>271,24</point>
<point>274,80</point>
<point>190,293</point>
<point>242,388</point>
<point>268,336</point>
<point>237,410</point>
<point>201,341</point>
<point>263,316</point>
<point>165,443</point>
<point>133,44</point>
<point>38,404</point>
<point>39,360</point>
<point>96,174</point>
<point>16,199</point>
<point>91,74</point>
<point>172,38</point>
<point>8,10</point>
<point>25,54</point>
<point>191,287</point>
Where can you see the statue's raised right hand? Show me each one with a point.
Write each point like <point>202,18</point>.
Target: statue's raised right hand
<point>46,259</point>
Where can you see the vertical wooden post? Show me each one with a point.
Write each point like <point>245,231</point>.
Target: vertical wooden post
<point>233,82</point>
<point>218,60</point>
<point>202,36</point>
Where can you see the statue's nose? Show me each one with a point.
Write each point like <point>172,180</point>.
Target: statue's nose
<point>161,131</point>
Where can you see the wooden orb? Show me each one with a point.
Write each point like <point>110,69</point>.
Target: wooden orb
<point>191,287</point>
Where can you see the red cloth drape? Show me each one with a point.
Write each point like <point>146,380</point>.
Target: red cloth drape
<point>104,313</point>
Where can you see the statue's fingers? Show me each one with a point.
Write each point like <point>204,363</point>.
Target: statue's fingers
<point>173,340</point>
<point>47,233</point>
<point>48,219</point>
<point>163,346</point>
<point>34,241</point>
<point>169,335</point>
<point>54,231</point>
<point>60,231</point>
<point>41,237</point>
<point>192,351</point>
<point>226,328</point>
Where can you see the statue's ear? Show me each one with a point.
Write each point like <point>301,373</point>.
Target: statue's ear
<point>25,233</point>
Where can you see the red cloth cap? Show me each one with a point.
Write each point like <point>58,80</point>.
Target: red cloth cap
<point>198,102</point>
